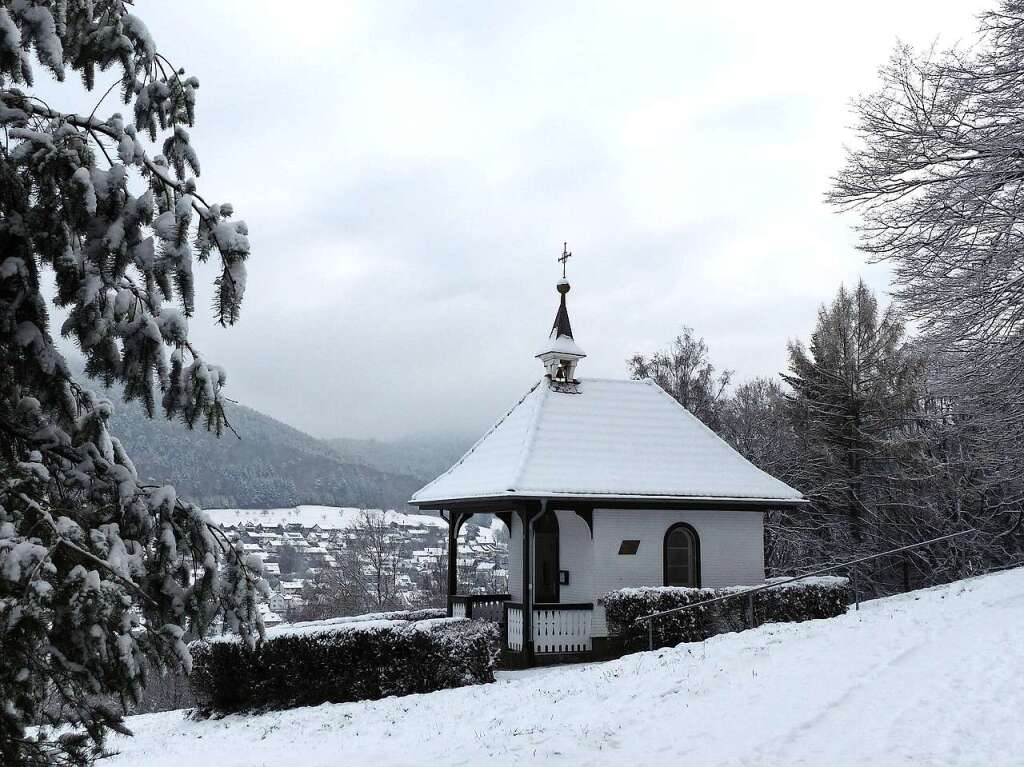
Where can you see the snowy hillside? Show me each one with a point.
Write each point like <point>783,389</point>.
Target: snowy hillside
<point>326,517</point>
<point>929,678</point>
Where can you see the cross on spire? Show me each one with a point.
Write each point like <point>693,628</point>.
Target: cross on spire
<point>566,255</point>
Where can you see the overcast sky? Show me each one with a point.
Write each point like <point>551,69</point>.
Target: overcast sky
<point>409,172</point>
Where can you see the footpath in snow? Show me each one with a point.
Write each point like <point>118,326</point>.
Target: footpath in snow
<point>928,678</point>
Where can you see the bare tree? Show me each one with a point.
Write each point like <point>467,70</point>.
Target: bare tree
<point>756,421</point>
<point>937,178</point>
<point>378,551</point>
<point>684,370</point>
<point>434,583</point>
<point>334,592</point>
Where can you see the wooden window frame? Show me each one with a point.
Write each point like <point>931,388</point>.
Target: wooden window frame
<point>695,554</point>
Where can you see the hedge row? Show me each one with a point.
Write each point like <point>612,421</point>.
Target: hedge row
<point>343,660</point>
<point>822,597</point>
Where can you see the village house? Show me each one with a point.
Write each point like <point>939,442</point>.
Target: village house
<point>603,484</point>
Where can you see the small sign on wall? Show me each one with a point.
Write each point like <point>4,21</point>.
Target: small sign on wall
<point>628,548</point>
<point>563,577</point>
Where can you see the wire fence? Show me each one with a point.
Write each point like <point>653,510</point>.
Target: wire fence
<point>748,594</point>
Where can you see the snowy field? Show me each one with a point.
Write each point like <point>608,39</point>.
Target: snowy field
<point>930,678</point>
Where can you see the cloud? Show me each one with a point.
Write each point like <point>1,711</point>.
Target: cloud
<point>410,170</point>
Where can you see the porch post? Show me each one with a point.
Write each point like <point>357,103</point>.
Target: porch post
<point>526,514</point>
<point>453,555</point>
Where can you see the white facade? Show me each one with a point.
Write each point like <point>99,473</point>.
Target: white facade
<point>731,545</point>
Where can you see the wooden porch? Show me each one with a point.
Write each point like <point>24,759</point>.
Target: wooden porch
<point>554,629</point>
<point>547,630</point>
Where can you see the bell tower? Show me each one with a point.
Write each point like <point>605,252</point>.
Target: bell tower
<point>561,353</point>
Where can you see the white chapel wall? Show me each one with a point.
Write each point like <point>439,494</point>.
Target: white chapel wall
<point>731,549</point>
<point>575,554</point>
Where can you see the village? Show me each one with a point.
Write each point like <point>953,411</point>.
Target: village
<point>301,549</point>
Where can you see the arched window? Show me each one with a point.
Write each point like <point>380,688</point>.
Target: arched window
<point>682,556</point>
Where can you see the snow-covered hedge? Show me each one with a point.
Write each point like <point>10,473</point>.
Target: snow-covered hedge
<point>821,597</point>
<point>346,659</point>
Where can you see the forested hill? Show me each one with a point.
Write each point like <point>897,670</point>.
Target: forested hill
<point>423,457</point>
<point>271,466</point>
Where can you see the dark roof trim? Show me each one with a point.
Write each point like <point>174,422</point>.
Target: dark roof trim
<point>489,504</point>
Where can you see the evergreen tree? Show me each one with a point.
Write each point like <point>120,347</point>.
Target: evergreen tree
<point>101,576</point>
<point>854,389</point>
<point>291,560</point>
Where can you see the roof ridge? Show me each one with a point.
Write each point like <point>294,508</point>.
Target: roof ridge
<point>476,444</point>
<point>531,437</point>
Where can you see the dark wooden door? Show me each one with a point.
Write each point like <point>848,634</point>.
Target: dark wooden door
<point>545,558</point>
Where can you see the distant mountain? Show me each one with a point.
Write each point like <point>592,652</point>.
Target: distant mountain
<point>423,457</point>
<point>271,466</point>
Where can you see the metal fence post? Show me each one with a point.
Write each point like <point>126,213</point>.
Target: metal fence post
<point>650,634</point>
<point>750,612</point>
<point>856,594</point>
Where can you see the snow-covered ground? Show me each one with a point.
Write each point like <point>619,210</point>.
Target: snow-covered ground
<point>928,678</point>
<point>327,517</point>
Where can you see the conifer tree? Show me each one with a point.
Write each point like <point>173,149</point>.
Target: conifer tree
<point>854,389</point>
<point>101,576</point>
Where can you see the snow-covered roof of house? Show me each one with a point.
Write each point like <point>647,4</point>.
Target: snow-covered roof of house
<point>602,439</point>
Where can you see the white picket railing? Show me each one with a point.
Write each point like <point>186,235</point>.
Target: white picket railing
<point>515,628</point>
<point>560,630</point>
<point>458,609</point>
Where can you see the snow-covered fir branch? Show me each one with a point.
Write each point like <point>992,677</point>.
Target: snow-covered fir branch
<point>102,576</point>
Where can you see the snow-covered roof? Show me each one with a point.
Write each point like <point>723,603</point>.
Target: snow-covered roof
<point>563,346</point>
<point>602,438</point>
